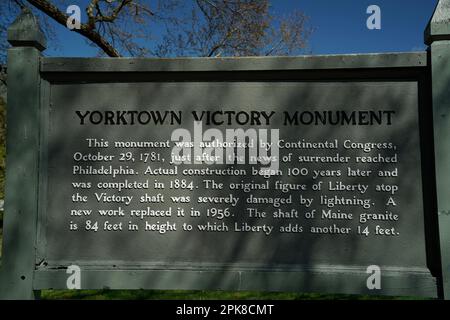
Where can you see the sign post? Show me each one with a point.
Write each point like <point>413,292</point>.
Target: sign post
<point>437,36</point>
<point>23,131</point>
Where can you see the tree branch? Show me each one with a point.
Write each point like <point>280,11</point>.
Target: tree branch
<point>19,3</point>
<point>90,13</point>
<point>114,14</point>
<point>86,30</point>
<point>219,45</point>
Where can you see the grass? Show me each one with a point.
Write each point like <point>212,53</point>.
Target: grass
<point>201,295</point>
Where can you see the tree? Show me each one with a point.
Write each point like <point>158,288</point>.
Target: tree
<point>168,28</point>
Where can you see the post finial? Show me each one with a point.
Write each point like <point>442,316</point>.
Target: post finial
<point>439,26</point>
<point>26,32</point>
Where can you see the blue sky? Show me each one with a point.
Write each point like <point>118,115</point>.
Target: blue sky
<point>340,27</point>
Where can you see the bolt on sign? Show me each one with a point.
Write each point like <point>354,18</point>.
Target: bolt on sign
<point>309,173</point>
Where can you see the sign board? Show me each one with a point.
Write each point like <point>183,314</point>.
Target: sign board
<point>312,173</point>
